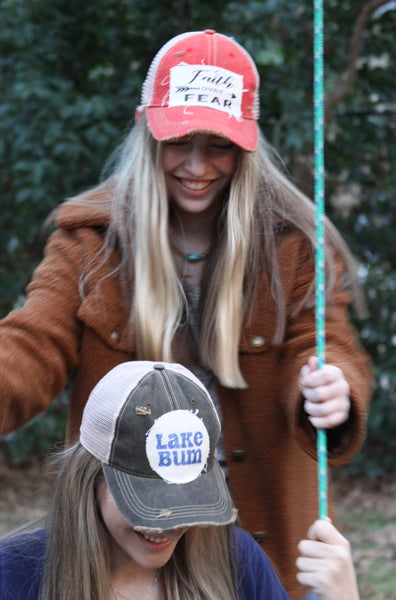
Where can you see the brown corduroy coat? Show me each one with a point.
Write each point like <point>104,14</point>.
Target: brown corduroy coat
<point>270,445</point>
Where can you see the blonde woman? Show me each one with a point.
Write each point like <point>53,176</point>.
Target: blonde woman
<point>197,249</point>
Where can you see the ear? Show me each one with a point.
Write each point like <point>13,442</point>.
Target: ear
<point>138,113</point>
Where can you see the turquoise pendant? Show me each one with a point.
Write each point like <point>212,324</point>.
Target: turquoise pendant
<point>193,257</point>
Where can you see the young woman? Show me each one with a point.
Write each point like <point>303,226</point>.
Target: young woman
<point>142,510</point>
<point>197,249</point>
<point>141,507</point>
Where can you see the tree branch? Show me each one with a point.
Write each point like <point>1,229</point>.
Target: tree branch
<point>347,82</point>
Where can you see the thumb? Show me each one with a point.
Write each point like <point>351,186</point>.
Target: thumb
<point>323,530</point>
<point>313,363</point>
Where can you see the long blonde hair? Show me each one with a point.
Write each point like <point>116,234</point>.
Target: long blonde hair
<point>260,205</point>
<point>77,556</point>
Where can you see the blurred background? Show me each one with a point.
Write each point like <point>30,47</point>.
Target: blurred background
<point>71,75</point>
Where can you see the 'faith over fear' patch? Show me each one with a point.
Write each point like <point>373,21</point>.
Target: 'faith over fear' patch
<point>206,86</point>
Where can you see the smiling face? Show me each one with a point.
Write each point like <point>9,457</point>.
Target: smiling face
<point>198,170</point>
<point>148,550</point>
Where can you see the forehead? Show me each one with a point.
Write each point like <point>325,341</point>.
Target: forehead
<point>202,136</point>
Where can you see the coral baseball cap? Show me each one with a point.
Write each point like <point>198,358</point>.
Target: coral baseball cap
<point>154,428</point>
<point>202,82</point>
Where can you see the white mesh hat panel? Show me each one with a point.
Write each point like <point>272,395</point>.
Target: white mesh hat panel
<point>107,400</point>
<point>148,85</point>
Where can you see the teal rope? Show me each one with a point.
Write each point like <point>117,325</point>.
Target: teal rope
<point>319,234</point>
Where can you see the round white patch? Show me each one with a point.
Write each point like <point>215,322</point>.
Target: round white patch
<point>177,446</point>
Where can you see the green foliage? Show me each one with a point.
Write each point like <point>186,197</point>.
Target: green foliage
<point>370,525</point>
<point>38,437</point>
<point>71,74</point>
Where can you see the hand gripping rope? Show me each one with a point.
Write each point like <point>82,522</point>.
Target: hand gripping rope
<point>319,235</point>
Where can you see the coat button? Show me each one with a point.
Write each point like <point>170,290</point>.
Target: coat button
<point>260,536</point>
<point>257,341</point>
<point>238,455</point>
<point>115,336</point>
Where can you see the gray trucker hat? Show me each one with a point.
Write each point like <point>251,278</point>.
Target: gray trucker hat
<point>154,428</point>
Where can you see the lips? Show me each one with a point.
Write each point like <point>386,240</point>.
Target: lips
<point>160,541</point>
<point>154,539</point>
<point>154,543</point>
<point>195,185</point>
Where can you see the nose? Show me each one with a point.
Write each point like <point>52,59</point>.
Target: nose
<point>196,159</point>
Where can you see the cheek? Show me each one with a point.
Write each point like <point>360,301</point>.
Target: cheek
<point>112,518</point>
<point>169,159</point>
<point>228,164</point>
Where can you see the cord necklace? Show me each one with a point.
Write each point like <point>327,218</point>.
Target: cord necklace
<point>148,593</point>
<point>190,257</point>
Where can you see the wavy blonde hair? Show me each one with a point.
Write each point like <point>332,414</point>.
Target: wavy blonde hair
<point>260,204</point>
<point>77,556</point>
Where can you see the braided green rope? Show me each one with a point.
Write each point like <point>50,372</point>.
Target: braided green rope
<point>319,233</point>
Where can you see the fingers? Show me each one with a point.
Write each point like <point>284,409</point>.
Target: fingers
<point>325,542</point>
<point>326,394</point>
<point>317,381</point>
<point>325,563</point>
<point>323,530</point>
<point>329,413</point>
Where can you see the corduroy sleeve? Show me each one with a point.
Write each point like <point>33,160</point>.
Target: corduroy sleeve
<point>39,343</point>
<point>342,349</point>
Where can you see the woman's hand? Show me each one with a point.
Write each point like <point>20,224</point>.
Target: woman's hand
<point>325,563</point>
<point>326,394</point>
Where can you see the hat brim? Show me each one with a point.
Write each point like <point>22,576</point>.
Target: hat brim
<point>167,123</point>
<point>149,503</point>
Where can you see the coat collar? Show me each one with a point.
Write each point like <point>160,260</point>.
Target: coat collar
<point>90,209</point>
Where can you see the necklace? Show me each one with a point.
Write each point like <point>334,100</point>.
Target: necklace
<point>190,257</point>
<point>147,595</point>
